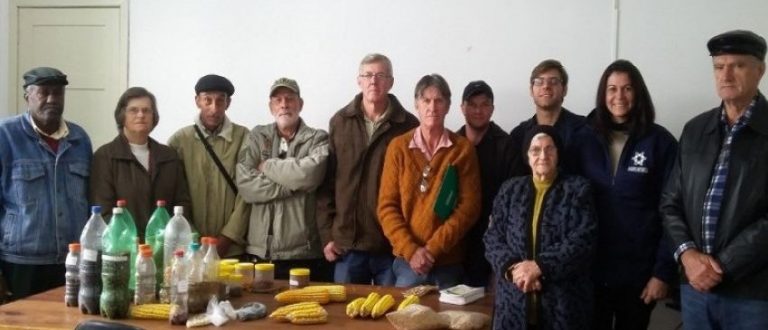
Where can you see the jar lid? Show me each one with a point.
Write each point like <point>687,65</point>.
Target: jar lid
<point>245,266</point>
<point>300,271</point>
<point>236,277</point>
<point>229,261</point>
<point>264,267</point>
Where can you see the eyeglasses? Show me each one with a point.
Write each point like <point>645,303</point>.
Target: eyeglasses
<point>136,111</point>
<point>424,174</point>
<point>536,151</point>
<point>379,76</point>
<point>552,81</point>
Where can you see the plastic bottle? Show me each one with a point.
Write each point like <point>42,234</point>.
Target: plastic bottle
<point>135,238</point>
<point>71,277</point>
<point>90,262</point>
<point>179,289</point>
<point>198,292</point>
<point>211,262</point>
<point>145,278</point>
<point>155,228</point>
<point>204,244</point>
<point>116,269</point>
<point>177,235</point>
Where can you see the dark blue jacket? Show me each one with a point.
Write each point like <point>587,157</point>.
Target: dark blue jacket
<point>630,248</point>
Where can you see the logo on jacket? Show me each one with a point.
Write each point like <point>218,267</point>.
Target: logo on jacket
<point>638,161</point>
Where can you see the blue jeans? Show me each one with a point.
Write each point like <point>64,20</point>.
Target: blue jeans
<point>442,276</point>
<point>360,267</point>
<point>708,311</point>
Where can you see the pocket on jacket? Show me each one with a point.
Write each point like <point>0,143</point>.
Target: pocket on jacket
<point>10,225</point>
<point>28,180</point>
<point>77,180</point>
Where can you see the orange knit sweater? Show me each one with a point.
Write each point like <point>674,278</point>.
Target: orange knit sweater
<point>406,214</point>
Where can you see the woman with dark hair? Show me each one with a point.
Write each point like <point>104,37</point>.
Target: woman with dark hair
<point>134,166</point>
<point>540,242</point>
<point>627,158</point>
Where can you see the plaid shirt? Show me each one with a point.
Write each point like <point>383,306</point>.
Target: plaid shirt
<point>714,197</point>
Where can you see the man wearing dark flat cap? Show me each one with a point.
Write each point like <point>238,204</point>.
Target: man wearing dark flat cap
<point>44,168</point>
<point>209,150</point>
<point>715,205</point>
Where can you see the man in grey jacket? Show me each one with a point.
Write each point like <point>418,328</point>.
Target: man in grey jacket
<point>279,169</point>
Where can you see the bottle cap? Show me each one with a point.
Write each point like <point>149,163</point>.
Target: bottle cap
<point>245,266</point>
<point>146,252</point>
<point>121,203</point>
<point>144,247</point>
<point>160,203</point>
<point>74,247</point>
<point>213,241</point>
<point>96,209</point>
<point>179,253</point>
<point>178,210</point>
<point>194,246</point>
<point>205,240</point>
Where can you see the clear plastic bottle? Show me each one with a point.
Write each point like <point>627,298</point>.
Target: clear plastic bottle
<point>153,234</point>
<point>90,262</point>
<point>204,244</point>
<point>145,278</point>
<point>118,243</point>
<point>179,290</point>
<point>177,235</point>
<point>71,277</point>
<point>211,261</point>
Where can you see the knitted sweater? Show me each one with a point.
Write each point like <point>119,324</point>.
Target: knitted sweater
<point>406,214</point>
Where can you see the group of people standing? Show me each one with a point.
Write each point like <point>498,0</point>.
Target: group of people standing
<point>563,218</point>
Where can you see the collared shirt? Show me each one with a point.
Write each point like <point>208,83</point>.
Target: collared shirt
<point>224,130</point>
<point>60,133</point>
<point>714,197</point>
<point>418,143</point>
<point>372,125</point>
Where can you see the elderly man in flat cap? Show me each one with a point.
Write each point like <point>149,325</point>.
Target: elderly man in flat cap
<point>44,168</point>
<point>209,150</point>
<point>715,205</point>
<point>280,168</point>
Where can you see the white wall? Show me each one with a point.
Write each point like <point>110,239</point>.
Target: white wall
<point>320,43</point>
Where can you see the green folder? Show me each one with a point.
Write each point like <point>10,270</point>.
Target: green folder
<point>448,194</point>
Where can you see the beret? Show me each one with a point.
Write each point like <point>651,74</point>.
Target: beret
<point>287,83</point>
<point>44,76</point>
<point>216,83</point>
<point>477,87</point>
<point>737,42</point>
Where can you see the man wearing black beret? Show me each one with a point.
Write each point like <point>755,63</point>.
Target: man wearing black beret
<point>715,205</point>
<point>44,169</point>
<point>209,150</point>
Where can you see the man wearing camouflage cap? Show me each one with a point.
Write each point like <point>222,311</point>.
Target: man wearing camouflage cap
<point>44,169</point>
<point>217,209</point>
<point>279,170</point>
<point>715,205</point>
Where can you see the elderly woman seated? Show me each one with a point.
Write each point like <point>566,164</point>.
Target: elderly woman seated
<point>540,243</point>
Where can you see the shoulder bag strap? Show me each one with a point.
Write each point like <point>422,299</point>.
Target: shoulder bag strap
<point>215,159</point>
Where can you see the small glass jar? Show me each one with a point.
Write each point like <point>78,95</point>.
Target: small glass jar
<point>299,278</point>
<point>246,270</point>
<point>263,277</point>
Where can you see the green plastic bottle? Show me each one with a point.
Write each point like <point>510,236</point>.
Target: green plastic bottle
<point>115,271</point>
<point>154,237</point>
<point>134,236</point>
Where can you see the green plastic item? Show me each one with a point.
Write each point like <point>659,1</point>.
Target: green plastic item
<point>133,237</point>
<point>154,236</point>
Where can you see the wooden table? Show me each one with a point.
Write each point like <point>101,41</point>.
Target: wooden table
<point>47,311</point>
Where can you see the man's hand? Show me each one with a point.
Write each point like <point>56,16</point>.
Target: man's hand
<point>654,290</point>
<point>703,271</point>
<point>331,252</point>
<point>421,262</point>
<point>527,276</point>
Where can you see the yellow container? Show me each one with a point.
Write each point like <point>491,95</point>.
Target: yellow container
<point>246,270</point>
<point>263,277</point>
<point>299,278</point>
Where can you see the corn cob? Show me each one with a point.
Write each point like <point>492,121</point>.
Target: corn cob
<point>370,301</point>
<point>150,311</point>
<point>382,306</point>
<point>281,313</point>
<point>308,316</point>
<point>409,300</point>
<point>337,293</point>
<point>353,308</point>
<point>320,296</point>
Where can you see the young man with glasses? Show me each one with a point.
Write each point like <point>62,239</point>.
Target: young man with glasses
<point>549,85</point>
<point>359,135</point>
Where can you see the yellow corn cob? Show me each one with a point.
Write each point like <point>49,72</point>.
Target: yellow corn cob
<point>409,300</point>
<point>150,311</point>
<point>338,293</point>
<point>281,313</point>
<point>382,306</point>
<point>370,301</point>
<point>301,295</point>
<point>308,316</point>
<point>353,308</point>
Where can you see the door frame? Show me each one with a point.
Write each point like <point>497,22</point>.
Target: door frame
<point>14,74</point>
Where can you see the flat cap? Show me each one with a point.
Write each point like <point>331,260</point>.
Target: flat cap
<point>287,83</point>
<point>737,42</point>
<point>477,87</point>
<point>215,83</point>
<point>44,76</point>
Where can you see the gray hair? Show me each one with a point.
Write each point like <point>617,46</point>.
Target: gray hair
<point>377,58</point>
<point>431,80</point>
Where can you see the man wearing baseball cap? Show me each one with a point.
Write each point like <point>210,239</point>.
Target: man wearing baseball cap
<point>490,143</point>
<point>280,168</point>
<point>715,206</point>
<point>44,168</point>
<point>209,150</point>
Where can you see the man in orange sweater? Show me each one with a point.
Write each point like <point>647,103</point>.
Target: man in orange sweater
<point>427,248</point>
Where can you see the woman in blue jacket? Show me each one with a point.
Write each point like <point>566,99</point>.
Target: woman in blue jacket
<point>627,158</point>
